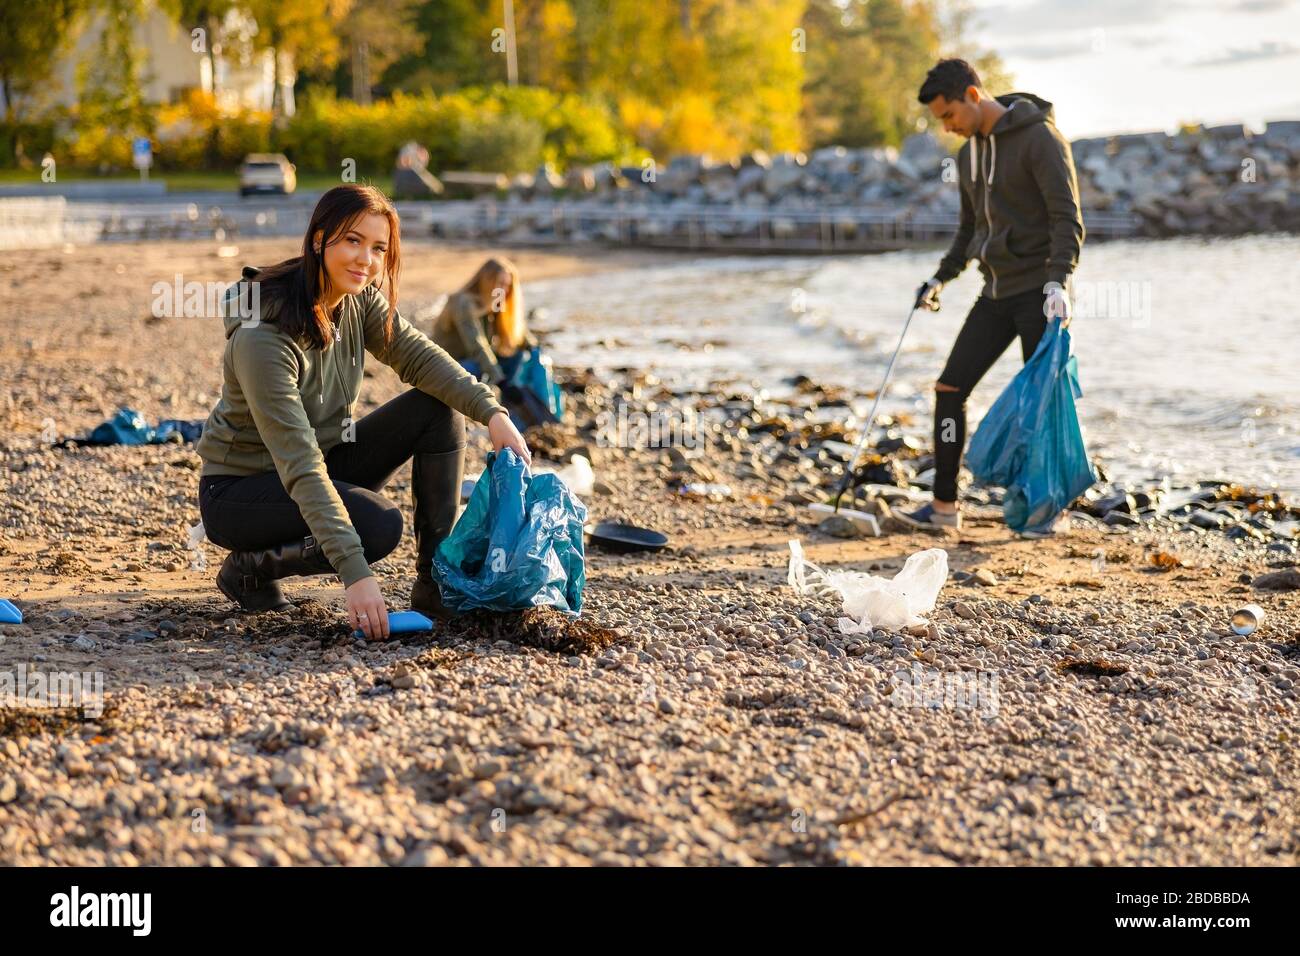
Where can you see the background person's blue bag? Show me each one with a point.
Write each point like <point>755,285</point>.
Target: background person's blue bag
<point>528,369</point>
<point>1030,441</point>
<point>535,374</point>
<point>517,545</point>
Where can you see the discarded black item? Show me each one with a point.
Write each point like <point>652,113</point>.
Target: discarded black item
<point>626,538</point>
<point>1288,580</point>
<point>891,471</point>
<point>897,442</point>
<point>1120,501</point>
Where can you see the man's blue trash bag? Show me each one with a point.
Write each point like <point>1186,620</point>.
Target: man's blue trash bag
<point>517,545</point>
<point>1030,442</point>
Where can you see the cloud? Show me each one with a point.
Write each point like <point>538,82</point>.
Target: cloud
<point>1068,16</point>
<point>1143,42</point>
<point>1269,50</point>
<point>1047,51</point>
<point>1092,41</point>
<point>1262,6</point>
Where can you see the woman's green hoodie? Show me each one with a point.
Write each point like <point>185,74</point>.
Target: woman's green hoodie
<point>284,405</point>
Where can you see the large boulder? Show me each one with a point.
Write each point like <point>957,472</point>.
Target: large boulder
<point>785,173</point>
<point>546,180</point>
<point>580,179</point>
<point>415,182</point>
<point>1283,132</point>
<point>411,176</point>
<point>924,152</point>
<point>750,178</point>
<point>831,159</point>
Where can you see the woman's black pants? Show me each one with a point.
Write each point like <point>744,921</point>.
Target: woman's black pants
<point>992,325</point>
<point>254,512</point>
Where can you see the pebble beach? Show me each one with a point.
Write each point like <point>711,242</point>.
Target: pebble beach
<point>1077,701</point>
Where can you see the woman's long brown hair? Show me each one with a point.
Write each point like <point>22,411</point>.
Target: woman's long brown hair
<point>299,285</point>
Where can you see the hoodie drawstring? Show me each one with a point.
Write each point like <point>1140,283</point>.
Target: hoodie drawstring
<point>974,152</point>
<point>993,157</point>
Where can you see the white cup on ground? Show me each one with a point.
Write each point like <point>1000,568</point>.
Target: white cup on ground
<point>1247,619</point>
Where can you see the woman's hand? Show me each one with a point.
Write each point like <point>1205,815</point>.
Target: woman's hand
<point>503,433</point>
<point>366,609</point>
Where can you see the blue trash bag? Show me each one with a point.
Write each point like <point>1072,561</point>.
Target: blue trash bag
<point>508,365</point>
<point>529,391</point>
<point>536,374</point>
<point>126,427</point>
<point>1030,441</point>
<point>517,545</point>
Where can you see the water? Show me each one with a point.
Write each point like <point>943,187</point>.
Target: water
<point>1187,349</point>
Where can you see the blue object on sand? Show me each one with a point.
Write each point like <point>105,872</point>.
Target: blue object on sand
<point>404,622</point>
<point>128,427</point>
<point>1030,441</point>
<point>9,614</point>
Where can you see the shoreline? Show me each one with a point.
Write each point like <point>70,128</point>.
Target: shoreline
<point>731,721</point>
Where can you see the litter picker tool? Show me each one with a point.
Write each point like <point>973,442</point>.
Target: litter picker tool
<point>871,419</point>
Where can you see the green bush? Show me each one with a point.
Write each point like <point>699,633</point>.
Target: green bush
<point>195,134</point>
<point>98,149</point>
<point>504,143</point>
<point>495,128</point>
<point>577,131</point>
<point>36,139</point>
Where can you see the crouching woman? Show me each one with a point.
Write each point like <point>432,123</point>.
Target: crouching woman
<point>290,481</point>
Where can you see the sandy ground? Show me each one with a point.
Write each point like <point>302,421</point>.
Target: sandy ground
<point>1114,717</point>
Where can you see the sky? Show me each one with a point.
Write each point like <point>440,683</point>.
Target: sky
<point>1114,66</point>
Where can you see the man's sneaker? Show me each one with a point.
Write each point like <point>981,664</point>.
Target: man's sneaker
<point>927,519</point>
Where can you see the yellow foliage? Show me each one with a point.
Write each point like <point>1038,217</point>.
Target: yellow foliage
<point>693,127</point>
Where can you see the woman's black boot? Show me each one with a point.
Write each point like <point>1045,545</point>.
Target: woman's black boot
<point>435,485</point>
<point>249,577</point>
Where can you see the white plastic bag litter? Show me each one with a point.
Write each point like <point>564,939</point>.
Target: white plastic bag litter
<point>195,537</point>
<point>871,601</point>
<point>577,475</point>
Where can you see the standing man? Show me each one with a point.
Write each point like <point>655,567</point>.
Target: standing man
<point>1020,218</point>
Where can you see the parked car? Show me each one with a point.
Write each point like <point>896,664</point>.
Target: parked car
<point>267,173</point>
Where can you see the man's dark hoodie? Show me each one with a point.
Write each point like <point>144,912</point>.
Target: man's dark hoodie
<point>1019,203</point>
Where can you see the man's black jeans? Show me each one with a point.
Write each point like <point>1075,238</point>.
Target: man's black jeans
<point>254,512</point>
<point>992,325</point>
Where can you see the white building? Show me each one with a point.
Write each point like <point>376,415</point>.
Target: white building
<point>176,61</point>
